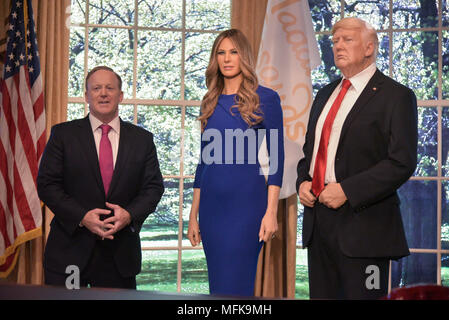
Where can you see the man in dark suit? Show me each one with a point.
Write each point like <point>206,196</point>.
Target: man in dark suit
<point>100,177</point>
<point>360,147</point>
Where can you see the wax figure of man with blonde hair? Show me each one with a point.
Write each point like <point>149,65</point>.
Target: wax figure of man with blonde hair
<point>360,147</point>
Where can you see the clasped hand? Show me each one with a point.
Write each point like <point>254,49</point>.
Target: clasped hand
<point>332,195</point>
<point>108,227</point>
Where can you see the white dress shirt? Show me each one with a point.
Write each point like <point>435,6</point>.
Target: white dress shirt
<point>358,83</point>
<point>114,134</point>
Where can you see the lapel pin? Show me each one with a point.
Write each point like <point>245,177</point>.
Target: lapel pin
<point>374,88</point>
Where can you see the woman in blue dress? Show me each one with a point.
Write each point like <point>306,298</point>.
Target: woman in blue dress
<point>236,203</point>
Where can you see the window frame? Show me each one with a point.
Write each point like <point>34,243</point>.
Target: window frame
<point>135,102</point>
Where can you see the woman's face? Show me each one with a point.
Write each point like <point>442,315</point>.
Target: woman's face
<point>228,59</point>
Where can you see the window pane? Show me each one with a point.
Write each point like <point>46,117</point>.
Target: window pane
<point>111,12</point>
<point>192,137</point>
<point>445,270</point>
<point>78,11</point>
<point>198,48</point>
<point>161,227</point>
<point>324,13</point>
<point>165,124</point>
<point>427,142</point>
<point>414,269</point>
<point>302,276</point>
<point>445,141</point>
<point>445,13</point>
<point>208,14</point>
<point>326,71</point>
<point>76,62</point>
<point>159,271</point>
<point>75,111</point>
<point>383,57</point>
<point>160,14</point>
<point>374,12</point>
<point>113,48</point>
<point>445,69</point>
<point>126,112</point>
<point>415,62</point>
<point>445,215</point>
<point>194,272</point>
<point>419,213</point>
<point>415,14</point>
<point>187,204</point>
<point>159,65</point>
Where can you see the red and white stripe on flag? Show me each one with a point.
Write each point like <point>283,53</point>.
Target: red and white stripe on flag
<point>22,135</point>
<point>288,52</point>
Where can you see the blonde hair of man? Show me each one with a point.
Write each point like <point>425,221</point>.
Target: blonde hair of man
<point>368,32</point>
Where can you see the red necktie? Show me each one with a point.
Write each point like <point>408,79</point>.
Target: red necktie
<point>321,157</point>
<point>106,161</point>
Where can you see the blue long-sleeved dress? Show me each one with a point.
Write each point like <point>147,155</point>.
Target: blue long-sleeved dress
<point>233,197</point>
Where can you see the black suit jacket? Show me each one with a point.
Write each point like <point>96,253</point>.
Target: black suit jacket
<point>376,154</point>
<point>69,183</point>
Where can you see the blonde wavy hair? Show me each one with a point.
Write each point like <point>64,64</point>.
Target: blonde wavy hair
<point>247,100</point>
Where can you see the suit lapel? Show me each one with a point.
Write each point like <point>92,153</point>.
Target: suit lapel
<point>122,154</point>
<point>325,97</point>
<point>372,88</point>
<point>87,142</point>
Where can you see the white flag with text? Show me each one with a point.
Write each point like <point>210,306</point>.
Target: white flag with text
<point>288,52</point>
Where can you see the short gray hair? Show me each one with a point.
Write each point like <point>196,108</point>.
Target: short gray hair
<point>365,27</point>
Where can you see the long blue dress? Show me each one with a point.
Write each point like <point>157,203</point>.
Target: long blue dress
<point>233,196</point>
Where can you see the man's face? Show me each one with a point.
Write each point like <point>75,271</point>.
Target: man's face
<point>351,51</point>
<point>103,95</point>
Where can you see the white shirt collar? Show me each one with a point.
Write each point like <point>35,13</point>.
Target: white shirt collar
<point>95,123</point>
<point>360,80</point>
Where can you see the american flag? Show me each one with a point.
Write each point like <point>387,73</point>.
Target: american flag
<point>22,133</point>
